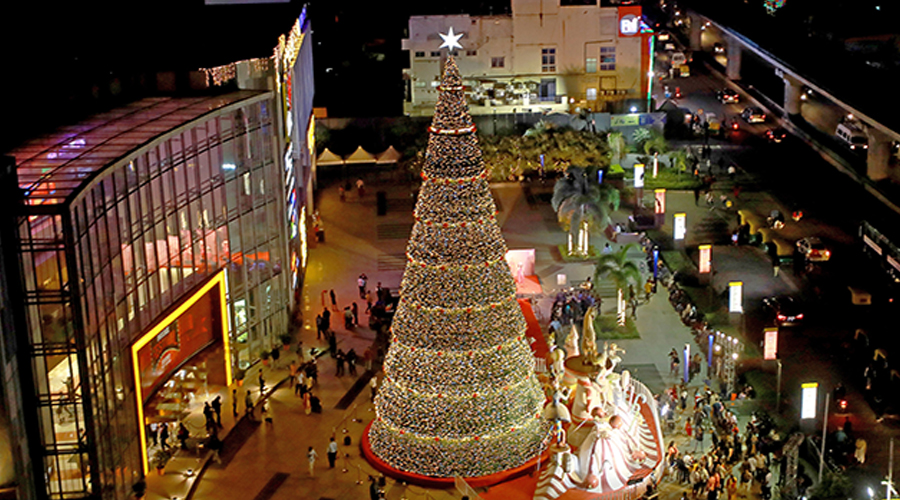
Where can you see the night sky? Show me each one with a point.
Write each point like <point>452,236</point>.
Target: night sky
<point>60,57</point>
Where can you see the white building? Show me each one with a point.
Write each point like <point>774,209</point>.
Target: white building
<point>545,56</point>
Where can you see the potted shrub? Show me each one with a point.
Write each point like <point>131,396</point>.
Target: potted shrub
<point>139,489</point>
<point>160,459</point>
<point>286,339</point>
<point>239,375</point>
<point>264,356</point>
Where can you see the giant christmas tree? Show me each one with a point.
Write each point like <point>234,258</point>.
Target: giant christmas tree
<point>459,394</point>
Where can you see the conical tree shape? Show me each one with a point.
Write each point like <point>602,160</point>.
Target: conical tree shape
<point>459,394</point>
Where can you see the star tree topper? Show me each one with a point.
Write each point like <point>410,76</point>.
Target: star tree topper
<point>451,40</point>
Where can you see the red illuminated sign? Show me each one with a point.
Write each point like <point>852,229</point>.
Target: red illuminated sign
<point>629,20</point>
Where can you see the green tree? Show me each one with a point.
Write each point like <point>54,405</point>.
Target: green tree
<point>622,271</point>
<point>834,485</point>
<point>581,205</point>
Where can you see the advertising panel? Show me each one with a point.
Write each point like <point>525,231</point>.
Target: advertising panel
<point>629,20</point>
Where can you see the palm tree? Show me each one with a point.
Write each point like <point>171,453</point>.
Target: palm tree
<point>622,271</point>
<point>580,205</point>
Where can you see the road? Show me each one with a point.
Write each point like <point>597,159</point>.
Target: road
<point>796,177</point>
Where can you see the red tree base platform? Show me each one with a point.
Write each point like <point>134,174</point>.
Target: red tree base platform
<point>443,482</point>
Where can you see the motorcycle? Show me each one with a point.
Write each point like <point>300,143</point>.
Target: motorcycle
<point>840,399</point>
<point>775,220</point>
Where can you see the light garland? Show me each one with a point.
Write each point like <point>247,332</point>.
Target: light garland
<point>459,394</point>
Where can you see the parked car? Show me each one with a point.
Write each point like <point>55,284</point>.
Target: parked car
<point>718,48</point>
<point>785,310</point>
<point>753,115</point>
<point>813,249</point>
<point>776,135</point>
<point>728,96</point>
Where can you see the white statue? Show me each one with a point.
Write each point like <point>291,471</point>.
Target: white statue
<point>572,343</point>
<point>589,341</point>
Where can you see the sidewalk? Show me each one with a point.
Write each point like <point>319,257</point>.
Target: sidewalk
<point>263,461</point>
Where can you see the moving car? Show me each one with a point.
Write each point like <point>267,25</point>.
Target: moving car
<point>784,309</point>
<point>718,48</point>
<point>851,135</point>
<point>813,249</point>
<point>728,96</point>
<point>753,115</point>
<point>776,135</point>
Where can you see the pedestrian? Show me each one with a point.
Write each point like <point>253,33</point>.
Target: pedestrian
<point>361,283</point>
<point>248,404</point>
<point>340,358</point>
<point>351,361</point>
<point>215,446</point>
<point>607,249</point>
<point>373,386</point>
<point>311,455</point>
<point>360,188</point>
<point>368,301</point>
<point>152,431</point>
<point>731,171</point>
<point>332,344</point>
<point>307,402</point>
<point>164,436</point>
<point>354,310</point>
<point>332,453</point>
<point>217,408</point>
<point>184,434</point>
<point>697,196</point>
<point>368,354</point>
<point>210,417</point>
<point>648,288</point>
<point>319,324</point>
<point>333,300</point>
<point>710,200</point>
<point>341,193</point>
<point>262,383</point>
<point>299,383</point>
<point>234,403</point>
<point>326,320</point>
<point>348,318</point>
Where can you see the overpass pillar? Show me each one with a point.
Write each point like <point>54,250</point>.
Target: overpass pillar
<point>792,92</point>
<point>733,67</point>
<point>878,155</point>
<point>696,24</point>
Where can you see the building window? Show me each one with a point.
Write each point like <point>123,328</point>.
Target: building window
<point>435,53</point>
<point>420,53</point>
<point>607,58</point>
<point>548,60</point>
<point>590,65</point>
<point>498,62</point>
<point>592,94</point>
<point>471,52</point>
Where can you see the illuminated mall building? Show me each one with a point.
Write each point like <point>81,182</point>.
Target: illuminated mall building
<point>165,236</point>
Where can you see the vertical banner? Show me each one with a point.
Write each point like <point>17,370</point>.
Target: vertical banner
<point>660,205</point>
<point>680,226</point>
<point>808,399</point>
<point>736,297</point>
<point>638,175</point>
<point>687,363</point>
<point>770,343</point>
<point>705,258</point>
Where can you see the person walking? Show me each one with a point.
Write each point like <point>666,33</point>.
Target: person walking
<point>248,404</point>
<point>152,432</point>
<point>299,383</point>
<point>333,300</point>
<point>262,383</point>
<point>215,446</point>
<point>234,403</point>
<point>361,283</point>
<point>319,325</point>
<point>311,455</point>
<point>210,417</point>
<point>164,436</point>
<point>373,385</point>
<point>696,196</point>
<point>217,408</point>
<point>360,188</point>
<point>351,361</point>
<point>326,321</point>
<point>307,402</point>
<point>354,310</point>
<point>332,453</point>
<point>339,358</point>
<point>368,301</point>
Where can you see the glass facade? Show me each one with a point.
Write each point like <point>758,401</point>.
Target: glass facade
<point>136,240</point>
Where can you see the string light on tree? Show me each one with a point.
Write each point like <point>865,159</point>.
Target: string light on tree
<point>459,396</point>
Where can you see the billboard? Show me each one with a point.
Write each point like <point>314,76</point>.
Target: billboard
<point>629,20</point>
